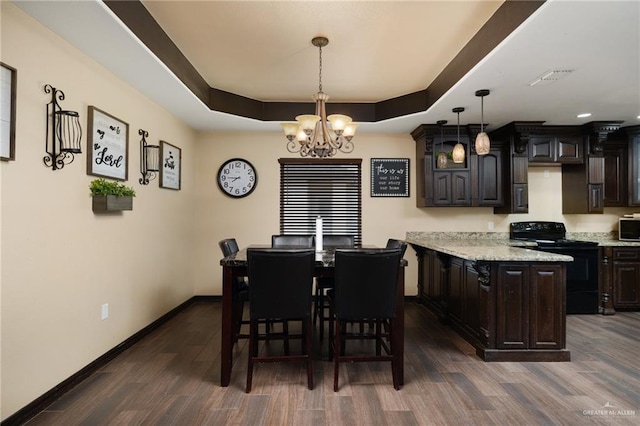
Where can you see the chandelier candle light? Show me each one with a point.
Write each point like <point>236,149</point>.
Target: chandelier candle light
<point>482,140</point>
<point>312,131</point>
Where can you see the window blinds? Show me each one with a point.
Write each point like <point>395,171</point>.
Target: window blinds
<point>329,188</point>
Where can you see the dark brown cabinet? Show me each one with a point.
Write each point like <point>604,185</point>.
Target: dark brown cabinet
<point>489,191</point>
<point>583,185</point>
<point>625,278</point>
<point>451,188</point>
<point>510,311</point>
<point>633,133</point>
<point>556,149</point>
<point>477,182</point>
<point>616,156</point>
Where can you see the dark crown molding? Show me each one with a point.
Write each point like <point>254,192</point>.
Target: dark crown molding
<point>507,18</point>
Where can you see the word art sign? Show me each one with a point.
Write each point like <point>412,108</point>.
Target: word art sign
<point>170,166</point>
<point>107,145</point>
<point>389,177</point>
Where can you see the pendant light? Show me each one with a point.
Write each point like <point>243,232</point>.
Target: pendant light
<point>441,162</point>
<point>482,140</point>
<point>458,150</point>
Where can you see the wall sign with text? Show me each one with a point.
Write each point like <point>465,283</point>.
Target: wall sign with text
<point>170,166</point>
<point>389,177</point>
<point>107,145</point>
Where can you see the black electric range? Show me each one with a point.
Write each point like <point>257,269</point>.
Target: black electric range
<point>582,273</point>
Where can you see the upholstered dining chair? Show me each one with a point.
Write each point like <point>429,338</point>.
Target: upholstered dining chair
<point>281,287</point>
<point>291,241</point>
<point>320,302</point>
<point>364,290</point>
<point>400,244</point>
<point>240,293</point>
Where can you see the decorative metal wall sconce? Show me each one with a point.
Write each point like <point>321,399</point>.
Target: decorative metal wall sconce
<point>149,159</point>
<point>63,132</point>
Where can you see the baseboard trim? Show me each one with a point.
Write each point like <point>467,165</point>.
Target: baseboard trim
<point>32,409</point>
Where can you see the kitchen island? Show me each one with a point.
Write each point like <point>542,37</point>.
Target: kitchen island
<point>505,299</point>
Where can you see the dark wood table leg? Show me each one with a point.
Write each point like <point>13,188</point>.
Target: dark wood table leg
<point>226,355</point>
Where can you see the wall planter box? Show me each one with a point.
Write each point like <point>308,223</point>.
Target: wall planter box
<point>111,203</point>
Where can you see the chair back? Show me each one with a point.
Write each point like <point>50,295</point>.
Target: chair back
<point>228,246</point>
<point>338,241</point>
<point>365,283</point>
<point>402,245</point>
<point>281,282</point>
<point>291,241</point>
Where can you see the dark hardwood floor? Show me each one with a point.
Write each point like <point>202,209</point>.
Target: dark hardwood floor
<point>171,378</point>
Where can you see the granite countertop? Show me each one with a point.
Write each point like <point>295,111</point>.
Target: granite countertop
<point>496,246</point>
<point>493,246</point>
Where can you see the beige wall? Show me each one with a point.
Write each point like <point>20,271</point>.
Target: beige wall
<point>60,262</point>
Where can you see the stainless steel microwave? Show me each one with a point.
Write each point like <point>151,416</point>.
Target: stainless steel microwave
<point>629,229</point>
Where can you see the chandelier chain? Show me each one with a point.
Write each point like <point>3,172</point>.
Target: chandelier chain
<point>320,71</point>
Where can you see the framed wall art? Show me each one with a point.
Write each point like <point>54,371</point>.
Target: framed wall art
<point>8,84</point>
<point>170,165</point>
<point>107,145</point>
<point>389,177</point>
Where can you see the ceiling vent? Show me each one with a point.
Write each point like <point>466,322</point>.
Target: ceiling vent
<point>549,77</point>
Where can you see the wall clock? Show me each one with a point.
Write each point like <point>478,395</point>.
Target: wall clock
<point>237,178</point>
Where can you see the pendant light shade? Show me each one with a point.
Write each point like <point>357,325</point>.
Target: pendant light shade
<point>458,149</point>
<point>441,162</point>
<point>483,145</point>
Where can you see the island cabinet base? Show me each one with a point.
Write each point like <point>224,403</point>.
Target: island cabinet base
<point>510,311</point>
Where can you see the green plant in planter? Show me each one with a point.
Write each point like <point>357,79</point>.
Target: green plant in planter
<point>107,187</point>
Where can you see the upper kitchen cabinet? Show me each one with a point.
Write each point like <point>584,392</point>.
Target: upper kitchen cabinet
<point>583,185</point>
<point>556,144</point>
<point>516,137</point>
<point>633,134</point>
<point>476,182</point>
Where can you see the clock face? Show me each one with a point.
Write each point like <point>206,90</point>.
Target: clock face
<point>237,178</point>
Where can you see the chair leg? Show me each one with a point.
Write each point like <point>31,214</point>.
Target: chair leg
<point>285,332</point>
<point>253,351</point>
<point>336,356</point>
<point>378,337</point>
<point>320,311</point>
<point>331,333</point>
<point>308,349</point>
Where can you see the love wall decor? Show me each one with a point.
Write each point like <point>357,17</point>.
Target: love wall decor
<point>107,145</point>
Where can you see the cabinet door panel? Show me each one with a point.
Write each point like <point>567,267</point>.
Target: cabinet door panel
<point>615,177</point>
<point>460,189</point>
<point>596,204</point>
<point>490,179</point>
<point>626,285</point>
<point>442,188</point>
<point>512,323</point>
<point>569,150</point>
<point>547,307</point>
<point>634,172</point>
<point>454,296</point>
<point>520,198</point>
<point>541,149</point>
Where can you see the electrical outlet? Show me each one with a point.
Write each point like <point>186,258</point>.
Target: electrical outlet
<point>105,311</point>
<point>546,173</point>
<point>490,225</point>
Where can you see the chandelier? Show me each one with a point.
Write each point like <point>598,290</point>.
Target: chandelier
<point>311,135</point>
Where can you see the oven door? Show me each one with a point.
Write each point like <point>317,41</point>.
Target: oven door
<point>582,278</point>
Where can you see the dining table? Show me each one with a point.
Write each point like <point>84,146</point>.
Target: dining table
<point>235,265</point>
